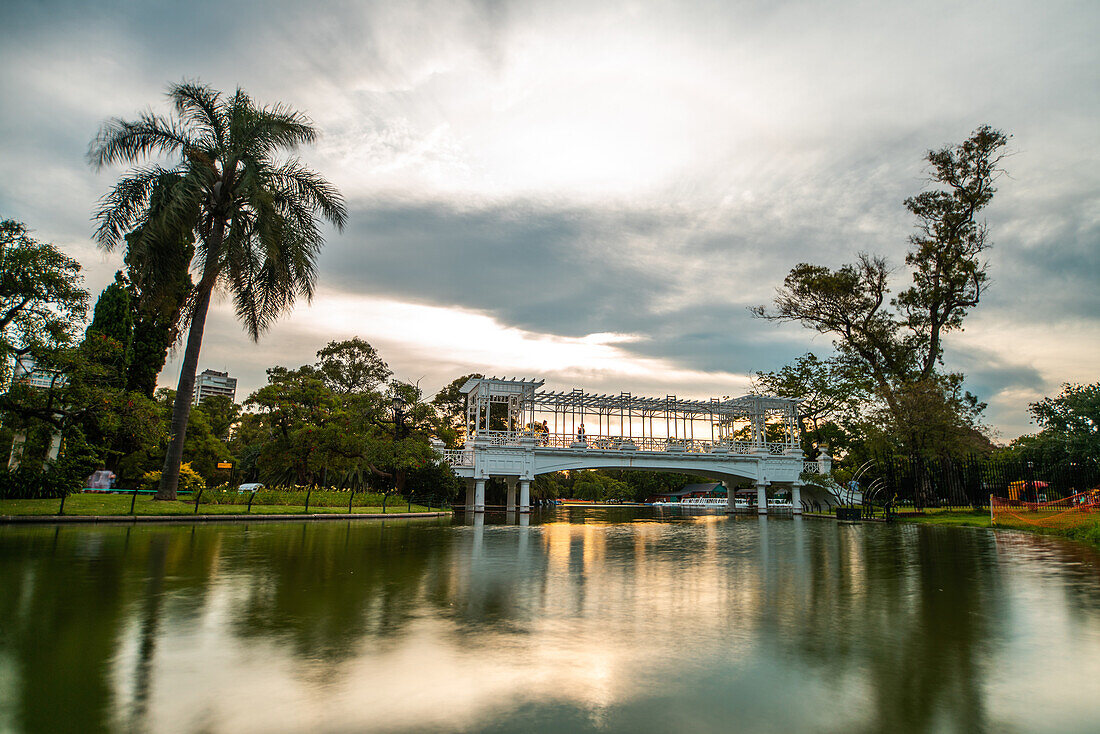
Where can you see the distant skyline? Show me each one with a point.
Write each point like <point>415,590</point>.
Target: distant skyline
<point>595,195</point>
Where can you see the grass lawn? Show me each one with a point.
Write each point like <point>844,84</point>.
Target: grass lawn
<point>119,504</point>
<point>1087,532</point>
<point>965,518</point>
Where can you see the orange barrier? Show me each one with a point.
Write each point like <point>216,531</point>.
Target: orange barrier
<point>1067,512</point>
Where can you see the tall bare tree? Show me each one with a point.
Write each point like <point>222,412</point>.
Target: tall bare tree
<point>898,342</point>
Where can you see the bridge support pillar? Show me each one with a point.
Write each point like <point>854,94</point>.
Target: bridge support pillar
<point>731,495</point>
<point>479,495</point>
<point>762,498</point>
<point>469,495</point>
<point>796,498</point>
<point>510,505</point>
<point>524,495</point>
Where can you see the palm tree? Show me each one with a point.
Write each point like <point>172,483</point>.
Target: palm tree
<point>255,218</point>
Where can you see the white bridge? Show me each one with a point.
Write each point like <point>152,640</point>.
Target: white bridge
<point>515,431</point>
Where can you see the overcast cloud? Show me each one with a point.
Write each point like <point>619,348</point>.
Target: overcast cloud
<point>596,193</point>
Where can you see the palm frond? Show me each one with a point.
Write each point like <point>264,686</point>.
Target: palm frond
<point>121,141</point>
<point>240,270</point>
<point>256,222</point>
<point>258,132</point>
<point>303,184</point>
<point>202,106</point>
<point>270,254</point>
<point>279,126</point>
<point>124,207</point>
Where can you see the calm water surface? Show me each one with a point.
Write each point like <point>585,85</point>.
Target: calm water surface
<point>581,620</point>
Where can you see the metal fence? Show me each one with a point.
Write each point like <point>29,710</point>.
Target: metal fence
<point>221,501</point>
<point>917,483</point>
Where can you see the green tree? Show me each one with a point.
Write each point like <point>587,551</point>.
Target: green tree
<point>897,343</point>
<point>255,219</point>
<point>600,486</point>
<point>42,299</point>
<point>85,404</point>
<point>305,433</point>
<point>1070,425</point>
<point>830,398</point>
<point>161,282</point>
<point>222,413</point>
<point>451,405</point>
<point>203,449</point>
<point>351,366</point>
<point>113,319</point>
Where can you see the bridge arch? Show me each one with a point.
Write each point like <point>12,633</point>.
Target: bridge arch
<point>556,464</point>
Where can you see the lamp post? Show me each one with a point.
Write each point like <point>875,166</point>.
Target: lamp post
<point>398,415</point>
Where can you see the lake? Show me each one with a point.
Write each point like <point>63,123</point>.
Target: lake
<point>575,619</point>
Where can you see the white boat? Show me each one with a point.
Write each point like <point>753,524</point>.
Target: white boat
<point>696,503</point>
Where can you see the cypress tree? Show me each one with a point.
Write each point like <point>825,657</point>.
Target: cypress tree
<point>113,322</point>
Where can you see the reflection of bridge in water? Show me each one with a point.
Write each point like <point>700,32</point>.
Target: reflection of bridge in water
<point>515,431</point>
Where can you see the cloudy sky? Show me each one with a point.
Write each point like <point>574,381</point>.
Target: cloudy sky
<point>595,193</point>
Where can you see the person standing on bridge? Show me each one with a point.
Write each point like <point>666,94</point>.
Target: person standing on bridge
<point>545,434</point>
<point>580,434</point>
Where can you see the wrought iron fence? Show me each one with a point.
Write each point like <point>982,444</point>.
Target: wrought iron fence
<point>917,483</point>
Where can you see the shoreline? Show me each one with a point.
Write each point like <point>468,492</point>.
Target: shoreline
<point>135,519</point>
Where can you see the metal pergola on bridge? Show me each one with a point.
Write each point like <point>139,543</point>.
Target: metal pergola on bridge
<point>503,411</point>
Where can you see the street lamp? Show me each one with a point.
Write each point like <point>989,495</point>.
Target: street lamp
<point>398,414</point>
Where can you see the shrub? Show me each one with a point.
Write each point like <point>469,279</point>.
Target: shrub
<point>190,481</point>
<point>31,484</point>
<point>294,497</point>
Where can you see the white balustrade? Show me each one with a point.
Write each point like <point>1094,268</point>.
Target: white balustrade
<point>592,442</point>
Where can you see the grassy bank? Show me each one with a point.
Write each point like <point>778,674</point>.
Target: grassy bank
<point>1088,532</point>
<point>211,503</point>
<point>964,518</point>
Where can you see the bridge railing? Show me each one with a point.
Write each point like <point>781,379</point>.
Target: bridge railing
<point>820,466</point>
<point>623,443</point>
<point>458,457</point>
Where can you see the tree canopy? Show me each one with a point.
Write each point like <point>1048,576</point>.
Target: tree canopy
<point>1069,425</point>
<point>42,297</point>
<point>351,366</point>
<point>830,395</point>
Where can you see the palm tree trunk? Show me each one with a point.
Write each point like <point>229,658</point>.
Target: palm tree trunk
<point>181,410</point>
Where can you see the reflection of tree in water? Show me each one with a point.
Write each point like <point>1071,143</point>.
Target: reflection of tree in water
<point>909,611</point>
<point>67,593</point>
<point>61,621</point>
<point>151,608</point>
<point>324,587</point>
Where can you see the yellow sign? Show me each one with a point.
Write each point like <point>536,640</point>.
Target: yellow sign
<point>224,465</point>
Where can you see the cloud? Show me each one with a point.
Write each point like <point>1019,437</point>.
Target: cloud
<point>568,170</point>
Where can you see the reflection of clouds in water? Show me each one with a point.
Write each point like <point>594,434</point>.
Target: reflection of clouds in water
<point>221,682</point>
<point>599,629</point>
<point>1034,571</point>
<point>699,623</point>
